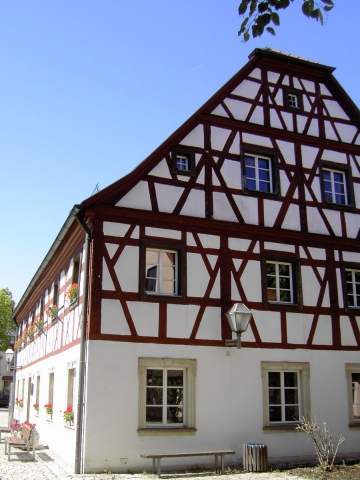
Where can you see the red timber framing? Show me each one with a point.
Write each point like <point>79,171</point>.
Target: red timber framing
<point>207,177</point>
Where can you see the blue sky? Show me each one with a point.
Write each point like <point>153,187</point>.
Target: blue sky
<point>89,88</point>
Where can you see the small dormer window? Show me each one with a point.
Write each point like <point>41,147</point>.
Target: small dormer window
<point>183,161</point>
<point>293,99</point>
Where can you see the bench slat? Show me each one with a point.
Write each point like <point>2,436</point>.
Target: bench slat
<point>189,454</point>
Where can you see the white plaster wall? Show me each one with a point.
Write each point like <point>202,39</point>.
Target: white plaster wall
<point>137,197</point>
<point>59,437</point>
<point>228,403</point>
<point>128,263</point>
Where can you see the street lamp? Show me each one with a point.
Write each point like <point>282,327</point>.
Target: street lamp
<point>238,318</point>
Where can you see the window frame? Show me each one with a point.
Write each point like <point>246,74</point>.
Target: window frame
<point>351,368</point>
<point>186,152</point>
<point>349,187</point>
<point>189,406</point>
<point>259,151</point>
<point>166,245</point>
<point>274,256</point>
<point>299,95</point>
<point>348,266</point>
<point>303,370</point>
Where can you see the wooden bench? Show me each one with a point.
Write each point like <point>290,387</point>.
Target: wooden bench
<point>156,457</point>
<point>23,439</point>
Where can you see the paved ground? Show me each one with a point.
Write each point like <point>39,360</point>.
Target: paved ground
<point>21,467</point>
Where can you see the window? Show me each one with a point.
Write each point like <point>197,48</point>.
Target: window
<point>37,395</point>
<point>51,389</point>
<point>334,186</point>
<point>56,294</point>
<point>167,393</point>
<point>293,99</point>
<point>258,173</point>
<point>280,282</point>
<point>161,272</point>
<point>76,270</point>
<point>353,379</point>
<point>285,393</point>
<point>41,316</point>
<point>183,161</point>
<point>352,287</point>
<point>70,387</point>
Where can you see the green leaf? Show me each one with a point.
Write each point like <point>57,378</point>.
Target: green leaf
<point>246,36</point>
<point>262,7</point>
<point>243,25</point>
<point>253,6</point>
<point>243,6</point>
<point>327,8</point>
<point>263,20</point>
<point>275,18</point>
<point>270,30</point>
<point>328,2</point>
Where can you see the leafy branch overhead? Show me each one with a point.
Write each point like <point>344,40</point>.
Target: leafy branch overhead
<point>262,15</point>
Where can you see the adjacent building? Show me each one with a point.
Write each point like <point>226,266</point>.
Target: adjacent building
<point>254,200</point>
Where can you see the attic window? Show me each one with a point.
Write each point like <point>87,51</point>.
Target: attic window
<point>293,99</point>
<point>183,161</point>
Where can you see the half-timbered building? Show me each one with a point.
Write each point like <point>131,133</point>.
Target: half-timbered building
<point>254,200</point>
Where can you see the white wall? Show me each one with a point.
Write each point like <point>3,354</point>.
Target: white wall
<point>59,437</point>
<point>228,403</point>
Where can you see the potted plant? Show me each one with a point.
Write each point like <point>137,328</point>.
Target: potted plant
<point>52,312</point>
<point>36,407</point>
<point>49,409</point>
<point>72,293</point>
<point>31,331</point>
<point>19,402</point>
<point>69,415</point>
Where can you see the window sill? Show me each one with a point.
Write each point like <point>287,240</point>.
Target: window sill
<point>283,427</point>
<point>166,431</point>
<point>156,297</point>
<point>258,193</point>
<point>339,206</point>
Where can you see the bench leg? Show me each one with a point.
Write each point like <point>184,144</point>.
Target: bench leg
<point>216,463</point>
<point>9,449</point>
<point>158,468</point>
<point>154,465</point>
<point>222,463</point>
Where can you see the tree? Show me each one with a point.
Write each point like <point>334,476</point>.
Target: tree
<point>262,15</point>
<point>7,326</point>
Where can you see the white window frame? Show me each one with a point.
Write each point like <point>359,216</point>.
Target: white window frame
<point>354,283</point>
<point>283,404</point>
<point>257,157</point>
<point>182,158</point>
<point>164,405</point>
<point>332,183</point>
<point>303,371</point>
<point>189,368</point>
<point>277,281</point>
<point>159,272</point>
<point>293,100</point>
<point>351,368</point>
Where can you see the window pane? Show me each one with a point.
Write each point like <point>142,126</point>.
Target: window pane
<point>271,281</point>
<point>326,175</point>
<point>285,296</point>
<point>328,197</point>
<point>338,177</point>
<point>274,379</point>
<point>250,184</point>
<point>284,270</point>
<point>291,396</point>
<point>348,275</point>
<point>154,396</point>
<point>350,300</point>
<point>264,175</point>
<point>291,413</point>
<point>167,266</point>
<point>340,199</point>
<point>175,396</point>
<point>150,285</point>
<point>271,295</point>
<point>154,414</point>
<point>290,379</point>
<point>339,188</point>
<point>151,272</point>
<point>249,161</point>
<point>264,186</point>
<point>263,163</point>
<point>175,378</point>
<point>357,277</point>
<point>285,283</point>
<point>174,415</point>
<point>270,268</point>
<point>154,377</point>
<point>275,414</point>
<point>274,396</point>
<point>250,172</point>
<point>151,257</point>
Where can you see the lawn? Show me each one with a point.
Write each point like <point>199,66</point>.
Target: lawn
<point>340,472</point>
